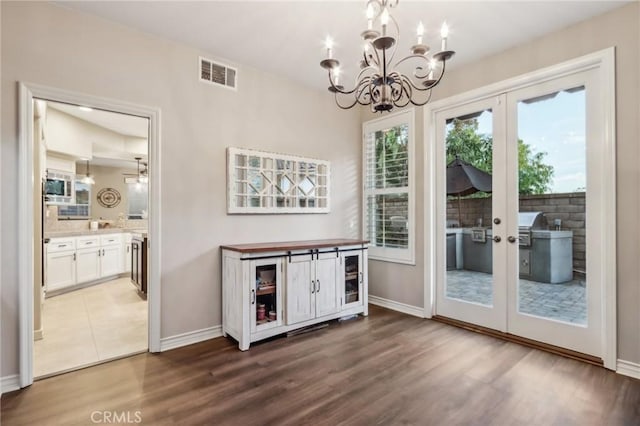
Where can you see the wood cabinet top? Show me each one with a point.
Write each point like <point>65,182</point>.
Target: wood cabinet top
<point>293,245</point>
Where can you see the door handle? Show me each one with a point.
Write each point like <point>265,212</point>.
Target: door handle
<point>313,286</point>
<point>318,289</point>
<point>74,257</point>
<point>512,239</point>
<point>253,297</point>
<point>497,238</point>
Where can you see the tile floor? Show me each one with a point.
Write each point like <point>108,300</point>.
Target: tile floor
<point>563,302</point>
<point>91,325</point>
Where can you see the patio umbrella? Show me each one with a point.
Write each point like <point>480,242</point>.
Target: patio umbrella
<point>465,179</point>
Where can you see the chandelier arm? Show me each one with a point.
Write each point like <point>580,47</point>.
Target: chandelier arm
<point>395,46</point>
<point>346,92</point>
<point>406,79</point>
<point>345,107</point>
<point>444,65</point>
<point>362,95</point>
<point>406,91</point>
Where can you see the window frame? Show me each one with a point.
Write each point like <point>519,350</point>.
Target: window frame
<point>387,254</point>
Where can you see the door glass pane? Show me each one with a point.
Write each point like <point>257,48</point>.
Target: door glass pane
<point>266,300</point>
<point>352,275</point>
<point>469,251</point>
<point>552,187</point>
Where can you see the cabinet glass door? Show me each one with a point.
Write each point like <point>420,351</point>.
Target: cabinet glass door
<point>265,303</point>
<point>352,278</point>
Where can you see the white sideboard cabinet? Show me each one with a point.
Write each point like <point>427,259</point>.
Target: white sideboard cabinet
<point>272,288</point>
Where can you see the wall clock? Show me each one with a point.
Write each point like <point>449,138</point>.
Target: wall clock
<point>109,197</point>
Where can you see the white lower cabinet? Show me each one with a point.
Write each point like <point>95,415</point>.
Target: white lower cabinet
<point>61,269</point>
<point>87,265</point>
<point>312,287</point>
<point>272,288</point>
<point>111,260</point>
<point>78,260</point>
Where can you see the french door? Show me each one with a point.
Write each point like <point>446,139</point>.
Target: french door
<point>521,255</point>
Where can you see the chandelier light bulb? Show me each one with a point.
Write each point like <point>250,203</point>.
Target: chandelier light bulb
<point>328,43</point>
<point>369,17</point>
<point>432,67</point>
<point>444,33</point>
<point>384,20</point>
<point>420,32</point>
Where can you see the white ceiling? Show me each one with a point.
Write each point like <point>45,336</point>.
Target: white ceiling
<point>124,124</point>
<point>286,37</point>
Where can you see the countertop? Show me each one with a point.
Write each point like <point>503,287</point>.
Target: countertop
<point>59,234</point>
<point>293,245</point>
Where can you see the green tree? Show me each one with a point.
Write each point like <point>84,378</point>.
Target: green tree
<point>464,141</point>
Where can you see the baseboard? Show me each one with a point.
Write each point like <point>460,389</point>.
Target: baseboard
<point>9,383</point>
<point>185,339</point>
<point>397,306</point>
<point>627,368</point>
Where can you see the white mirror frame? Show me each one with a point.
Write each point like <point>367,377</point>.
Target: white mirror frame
<point>280,185</point>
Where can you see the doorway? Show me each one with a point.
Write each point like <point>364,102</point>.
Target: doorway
<point>103,251</point>
<point>94,204</point>
<point>527,255</point>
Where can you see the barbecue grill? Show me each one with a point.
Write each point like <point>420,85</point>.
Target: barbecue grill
<point>527,222</point>
<point>544,256</point>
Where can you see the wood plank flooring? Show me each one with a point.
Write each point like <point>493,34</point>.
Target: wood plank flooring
<point>386,369</point>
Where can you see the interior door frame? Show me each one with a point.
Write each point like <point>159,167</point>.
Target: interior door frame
<point>27,92</point>
<point>604,62</point>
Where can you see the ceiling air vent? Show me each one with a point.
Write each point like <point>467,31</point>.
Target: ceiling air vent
<point>217,73</point>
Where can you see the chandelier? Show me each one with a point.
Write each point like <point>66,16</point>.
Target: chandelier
<point>379,83</point>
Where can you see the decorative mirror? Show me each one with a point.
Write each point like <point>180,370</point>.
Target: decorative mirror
<point>263,182</point>
<point>109,197</point>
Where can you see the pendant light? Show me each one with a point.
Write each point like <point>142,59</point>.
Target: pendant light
<point>88,179</point>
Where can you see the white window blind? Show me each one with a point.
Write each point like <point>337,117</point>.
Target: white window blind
<point>388,192</point>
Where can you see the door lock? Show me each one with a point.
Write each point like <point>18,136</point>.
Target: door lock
<point>497,238</point>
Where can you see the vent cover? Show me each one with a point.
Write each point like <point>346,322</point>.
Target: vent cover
<point>217,73</point>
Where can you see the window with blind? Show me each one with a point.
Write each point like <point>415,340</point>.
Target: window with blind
<point>137,200</point>
<point>388,187</point>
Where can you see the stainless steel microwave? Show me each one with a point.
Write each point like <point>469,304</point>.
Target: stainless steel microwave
<point>59,187</point>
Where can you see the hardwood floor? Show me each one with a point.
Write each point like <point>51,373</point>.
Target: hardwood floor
<point>386,369</point>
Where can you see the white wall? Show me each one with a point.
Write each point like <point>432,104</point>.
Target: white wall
<point>52,46</point>
<point>619,28</point>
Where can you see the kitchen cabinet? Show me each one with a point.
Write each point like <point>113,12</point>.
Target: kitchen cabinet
<point>111,260</point>
<point>272,288</point>
<point>312,287</point>
<point>82,259</point>
<point>87,258</point>
<point>61,263</point>
<point>61,269</point>
<point>111,255</point>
